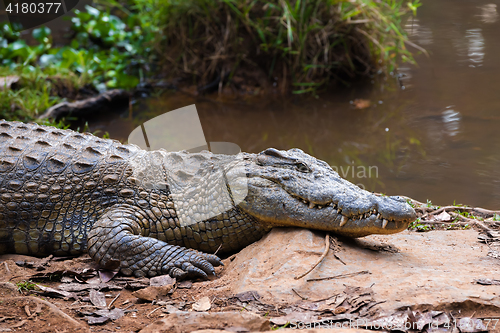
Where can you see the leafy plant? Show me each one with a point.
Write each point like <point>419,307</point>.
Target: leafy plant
<point>418,226</point>
<point>24,286</point>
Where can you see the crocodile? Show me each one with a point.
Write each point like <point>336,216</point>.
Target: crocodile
<point>148,213</point>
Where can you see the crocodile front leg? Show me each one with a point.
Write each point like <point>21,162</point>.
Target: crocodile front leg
<point>119,239</point>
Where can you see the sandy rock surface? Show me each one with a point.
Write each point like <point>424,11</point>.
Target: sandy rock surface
<point>377,282</point>
<point>428,270</point>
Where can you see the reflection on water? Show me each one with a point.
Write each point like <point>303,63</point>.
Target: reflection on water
<point>451,120</point>
<point>418,33</point>
<point>488,13</point>
<point>475,47</point>
<point>436,139</point>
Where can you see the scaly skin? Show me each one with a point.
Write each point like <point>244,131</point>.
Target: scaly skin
<point>151,213</point>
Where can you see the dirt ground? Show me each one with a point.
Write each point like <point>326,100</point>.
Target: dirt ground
<point>444,281</point>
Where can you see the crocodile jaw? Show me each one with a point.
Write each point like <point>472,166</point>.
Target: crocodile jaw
<point>319,199</point>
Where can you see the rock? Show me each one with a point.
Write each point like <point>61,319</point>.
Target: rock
<point>425,270</point>
<point>159,286</point>
<point>181,322</point>
<point>152,293</point>
<point>8,289</point>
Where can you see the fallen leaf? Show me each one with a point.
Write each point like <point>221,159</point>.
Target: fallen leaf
<point>55,292</point>
<point>80,287</point>
<point>360,104</point>
<point>114,314</point>
<point>106,275</point>
<point>96,320</point>
<point>203,304</point>
<point>247,296</point>
<point>443,216</point>
<point>162,280</point>
<point>97,299</point>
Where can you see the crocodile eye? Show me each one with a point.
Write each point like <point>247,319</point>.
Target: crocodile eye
<point>302,167</point>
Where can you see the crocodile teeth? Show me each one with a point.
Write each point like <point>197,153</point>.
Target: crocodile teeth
<point>319,206</point>
<point>343,221</point>
<point>384,223</point>
<point>311,205</point>
<point>379,216</point>
<point>304,201</point>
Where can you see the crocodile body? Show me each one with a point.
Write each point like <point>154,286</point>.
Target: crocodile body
<point>150,213</point>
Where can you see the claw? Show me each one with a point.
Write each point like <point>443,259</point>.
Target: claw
<point>177,273</point>
<point>193,270</point>
<point>214,260</point>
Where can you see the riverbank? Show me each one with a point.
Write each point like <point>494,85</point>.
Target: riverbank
<point>244,47</point>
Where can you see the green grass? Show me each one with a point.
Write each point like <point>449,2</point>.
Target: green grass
<point>24,286</point>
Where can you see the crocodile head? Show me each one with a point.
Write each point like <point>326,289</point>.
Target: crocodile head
<point>292,188</point>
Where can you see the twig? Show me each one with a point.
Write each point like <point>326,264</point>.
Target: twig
<point>52,307</point>
<point>6,267</point>
<point>153,311</point>
<point>324,299</point>
<point>338,258</point>
<point>128,307</point>
<point>446,208</point>
<point>474,221</point>
<point>325,252</point>
<point>339,276</point>
<point>297,293</point>
<point>215,253</point>
<point>114,299</point>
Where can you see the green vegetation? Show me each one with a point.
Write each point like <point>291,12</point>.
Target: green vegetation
<point>104,53</point>
<point>294,45</point>
<point>302,43</point>
<point>417,225</point>
<point>24,286</point>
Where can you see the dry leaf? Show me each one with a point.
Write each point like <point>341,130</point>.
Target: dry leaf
<point>443,216</point>
<point>203,304</point>
<point>360,104</point>
<point>97,298</point>
<point>162,280</point>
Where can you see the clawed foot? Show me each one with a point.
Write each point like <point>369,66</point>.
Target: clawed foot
<point>194,264</point>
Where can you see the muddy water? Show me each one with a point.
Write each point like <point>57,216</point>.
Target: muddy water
<point>433,138</point>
